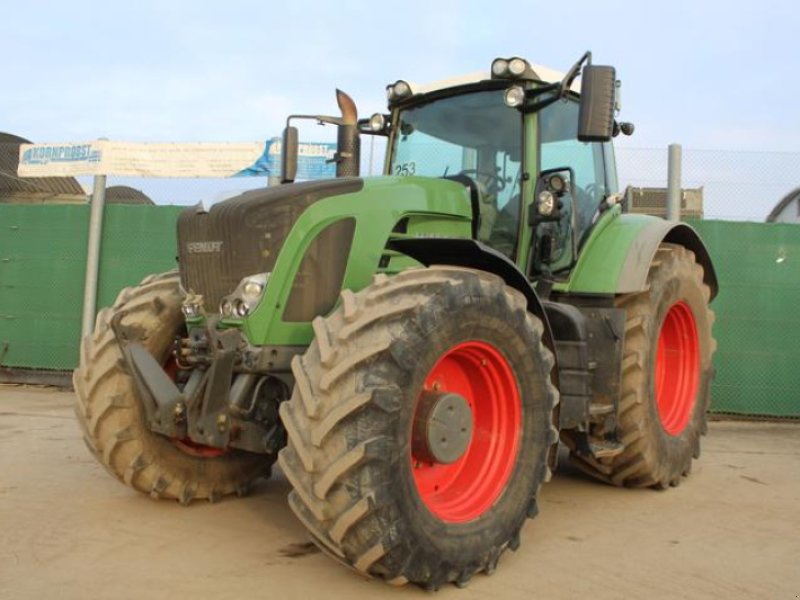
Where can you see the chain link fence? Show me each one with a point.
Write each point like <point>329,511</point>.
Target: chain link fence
<point>44,224</point>
<point>737,185</point>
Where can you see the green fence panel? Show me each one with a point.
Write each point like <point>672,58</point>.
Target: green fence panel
<point>43,261</point>
<point>758,317</point>
<point>42,268</point>
<point>136,243</point>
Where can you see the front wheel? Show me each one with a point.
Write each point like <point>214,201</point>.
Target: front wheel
<point>421,425</point>
<point>112,416</point>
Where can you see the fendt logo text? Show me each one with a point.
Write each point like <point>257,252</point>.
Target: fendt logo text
<point>203,247</point>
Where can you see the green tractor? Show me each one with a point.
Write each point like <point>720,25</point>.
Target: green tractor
<point>412,348</point>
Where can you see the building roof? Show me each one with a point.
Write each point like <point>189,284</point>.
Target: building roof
<point>123,194</point>
<point>781,206</point>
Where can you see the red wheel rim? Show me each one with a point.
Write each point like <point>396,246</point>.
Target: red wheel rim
<point>677,368</point>
<point>466,489</point>
<point>186,444</point>
<point>195,449</point>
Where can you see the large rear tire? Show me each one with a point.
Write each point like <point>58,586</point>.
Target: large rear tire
<point>361,485</point>
<point>666,376</point>
<point>113,420</point>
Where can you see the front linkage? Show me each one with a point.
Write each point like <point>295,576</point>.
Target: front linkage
<point>219,400</point>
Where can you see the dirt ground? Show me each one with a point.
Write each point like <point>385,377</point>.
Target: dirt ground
<point>68,530</point>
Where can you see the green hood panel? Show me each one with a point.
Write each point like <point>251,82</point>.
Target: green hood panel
<point>424,207</point>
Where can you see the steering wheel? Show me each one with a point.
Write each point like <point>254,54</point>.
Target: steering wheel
<point>486,178</point>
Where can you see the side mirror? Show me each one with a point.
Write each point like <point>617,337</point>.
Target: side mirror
<point>289,149</point>
<point>596,116</point>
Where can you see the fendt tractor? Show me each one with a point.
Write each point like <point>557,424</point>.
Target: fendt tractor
<point>412,348</point>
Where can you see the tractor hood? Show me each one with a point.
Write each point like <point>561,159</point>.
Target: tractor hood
<point>243,235</point>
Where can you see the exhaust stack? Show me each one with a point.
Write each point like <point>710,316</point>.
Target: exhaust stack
<point>348,143</point>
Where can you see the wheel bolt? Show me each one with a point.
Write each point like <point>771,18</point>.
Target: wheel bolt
<point>222,422</point>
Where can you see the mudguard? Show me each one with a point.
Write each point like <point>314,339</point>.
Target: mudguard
<point>616,257</point>
<point>475,255</point>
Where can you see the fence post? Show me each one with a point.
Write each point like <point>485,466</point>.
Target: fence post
<point>674,190</point>
<point>93,254</point>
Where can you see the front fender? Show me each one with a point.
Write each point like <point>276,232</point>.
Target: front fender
<point>616,258</point>
<point>475,255</point>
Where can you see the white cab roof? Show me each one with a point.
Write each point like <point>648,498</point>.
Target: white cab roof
<point>542,73</point>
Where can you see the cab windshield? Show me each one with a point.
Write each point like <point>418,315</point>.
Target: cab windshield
<point>476,135</point>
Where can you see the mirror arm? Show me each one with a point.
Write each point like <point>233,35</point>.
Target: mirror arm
<point>533,101</point>
<point>573,73</point>
<point>321,119</point>
<point>560,89</point>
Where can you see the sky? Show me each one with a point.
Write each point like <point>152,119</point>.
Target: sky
<point>708,74</point>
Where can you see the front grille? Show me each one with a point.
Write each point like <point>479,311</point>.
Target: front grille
<point>243,235</point>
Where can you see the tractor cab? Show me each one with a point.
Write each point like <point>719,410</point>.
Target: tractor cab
<point>536,155</point>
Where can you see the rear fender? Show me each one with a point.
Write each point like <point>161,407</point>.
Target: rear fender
<point>617,256</point>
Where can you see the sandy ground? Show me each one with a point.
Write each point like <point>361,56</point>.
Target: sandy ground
<point>68,530</point>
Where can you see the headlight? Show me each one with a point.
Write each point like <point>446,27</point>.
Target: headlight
<point>546,203</point>
<point>190,311</point>
<point>557,183</point>
<point>517,66</point>
<point>252,289</point>
<point>499,67</point>
<point>245,297</point>
<point>401,88</point>
<point>241,308</point>
<point>192,306</point>
<point>514,96</point>
<point>377,122</point>
<point>396,91</point>
<point>510,67</point>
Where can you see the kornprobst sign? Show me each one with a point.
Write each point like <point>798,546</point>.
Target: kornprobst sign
<point>104,157</point>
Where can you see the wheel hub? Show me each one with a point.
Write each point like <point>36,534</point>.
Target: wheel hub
<point>442,427</point>
<point>470,399</point>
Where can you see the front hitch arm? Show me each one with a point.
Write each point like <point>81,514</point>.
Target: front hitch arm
<point>205,410</point>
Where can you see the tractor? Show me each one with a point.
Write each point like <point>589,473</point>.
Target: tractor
<point>413,349</point>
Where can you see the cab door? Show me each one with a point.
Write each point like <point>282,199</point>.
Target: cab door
<point>556,241</point>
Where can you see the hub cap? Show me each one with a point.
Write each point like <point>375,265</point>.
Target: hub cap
<point>470,390</point>
<point>442,427</point>
<point>677,368</point>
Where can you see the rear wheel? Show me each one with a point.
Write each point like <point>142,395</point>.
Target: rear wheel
<point>421,425</point>
<point>113,419</point>
<point>666,376</point>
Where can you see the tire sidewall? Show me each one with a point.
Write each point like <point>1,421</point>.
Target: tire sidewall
<point>667,288</point>
<point>157,326</point>
<point>491,320</point>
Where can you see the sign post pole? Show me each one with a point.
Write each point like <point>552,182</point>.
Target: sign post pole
<point>93,254</point>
